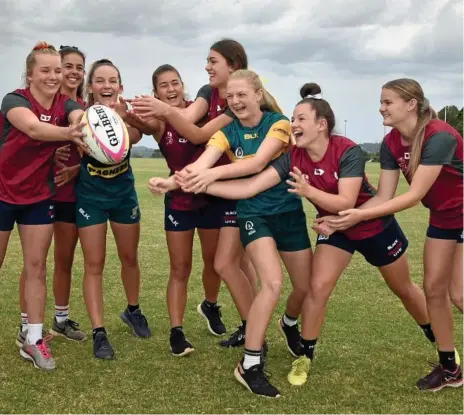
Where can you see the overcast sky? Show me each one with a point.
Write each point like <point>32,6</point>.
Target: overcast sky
<point>349,47</point>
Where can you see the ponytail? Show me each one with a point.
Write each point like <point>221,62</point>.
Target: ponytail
<point>268,102</point>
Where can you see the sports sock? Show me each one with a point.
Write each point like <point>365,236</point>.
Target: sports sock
<point>252,358</point>
<point>209,304</point>
<point>23,321</point>
<point>132,308</point>
<point>427,329</point>
<point>34,333</point>
<point>61,313</point>
<point>448,360</point>
<point>289,321</point>
<point>307,347</point>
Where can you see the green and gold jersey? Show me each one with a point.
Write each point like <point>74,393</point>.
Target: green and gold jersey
<point>239,143</point>
<point>101,182</point>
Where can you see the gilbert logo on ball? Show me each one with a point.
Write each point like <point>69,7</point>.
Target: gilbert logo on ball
<point>106,135</point>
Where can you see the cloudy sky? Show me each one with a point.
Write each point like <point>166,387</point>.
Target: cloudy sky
<point>349,47</point>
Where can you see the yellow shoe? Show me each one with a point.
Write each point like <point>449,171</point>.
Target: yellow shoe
<point>300,369</point>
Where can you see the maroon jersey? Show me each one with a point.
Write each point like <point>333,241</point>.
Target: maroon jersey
<point>217,107</point>
<point>442,146</point>
<point>26,165</point>
<point>179,152</point>
<point>66,193</point>
<point>343,158</point>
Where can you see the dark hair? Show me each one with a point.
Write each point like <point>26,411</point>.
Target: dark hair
<point>320,106</point>
<point>233,52</point>
<point>163,69</point>
<point>409,89</point>
<point>93,68</point>
<point>68,50</point>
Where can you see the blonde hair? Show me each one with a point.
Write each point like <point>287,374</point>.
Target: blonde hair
<point>268,103</point>
<point>40,47</point>
<point>409,89</point>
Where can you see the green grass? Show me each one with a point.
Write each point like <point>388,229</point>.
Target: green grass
<point>369,356</point>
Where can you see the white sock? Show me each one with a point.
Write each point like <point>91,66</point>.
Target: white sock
<point>34,333</point>
<point>252,358</point>
<point>23,321</point>
<point>61,313</point>
<point>289,321</point>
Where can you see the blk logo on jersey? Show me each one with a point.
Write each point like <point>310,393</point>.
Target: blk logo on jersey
<point>45,118</point>
<point>318,172</point>
<point>84,213</point>
<point>173,221</point>
<point>182,140</point>
<point>395,248</point>
<point>169,139</point>
<point>407,156</point>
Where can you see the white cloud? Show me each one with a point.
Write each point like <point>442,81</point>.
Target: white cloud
<point>350,47</point>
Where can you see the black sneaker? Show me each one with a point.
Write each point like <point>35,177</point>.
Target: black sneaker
<point>439,378</point>
<point>255,380</point>
<point>179,344</point>
<point>292,337</point>
<point>212,315</point>
<point>101,347</point>
<point>137,322</point>
<point>236,339</point>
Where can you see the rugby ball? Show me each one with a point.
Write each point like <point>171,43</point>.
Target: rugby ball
<point>105,134</point>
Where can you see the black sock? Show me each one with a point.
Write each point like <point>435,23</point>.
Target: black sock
<point>98,330</point>
<point>132,308</point>
<point>307,347</point>
<point>177,328</point>
<point>208,304</point>
<point>427,329</point>
<point>448,360</point>
<point>244,324</point>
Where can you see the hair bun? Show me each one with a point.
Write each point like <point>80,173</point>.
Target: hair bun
<point>42,45</point>
<point>310,89</point>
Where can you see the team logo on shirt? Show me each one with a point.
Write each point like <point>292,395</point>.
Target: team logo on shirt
<point>250,136</point>
<point>45,118</point>
<point>318,172</point>
<point>407,156</point>
<point>239,152</point>
<point>169,139</point>
<point>182,140</point>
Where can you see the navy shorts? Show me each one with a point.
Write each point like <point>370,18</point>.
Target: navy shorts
<point>379,250</point>
<point>40,213</point>
<point>450,234</point>
<point>65,212</point>
<point>228,212</point>
<point>206,217</point>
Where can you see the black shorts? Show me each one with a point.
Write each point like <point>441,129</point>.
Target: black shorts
<point>379,250</point>
<point>65,212</point>
<point>228,211</point>
<point>40,213</point>
<point>450,234</point>
<point>206,217</point>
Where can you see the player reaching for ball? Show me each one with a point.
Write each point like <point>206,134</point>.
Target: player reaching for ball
<point>272,224</point>
<point>210,107</point>
<point>429,152</point>
<point>107,192</point>
<point>32,120</point>
<point>64,200</point>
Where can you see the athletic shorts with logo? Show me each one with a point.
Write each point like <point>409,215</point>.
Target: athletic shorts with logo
<point>449,234</point>
<point>40,213</point>
<point>94,212</point>
<point>65,212</point>
<point>379,250</point>
<point>288,229</point>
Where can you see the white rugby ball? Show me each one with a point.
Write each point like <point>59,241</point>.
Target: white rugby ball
<point>105,134</point>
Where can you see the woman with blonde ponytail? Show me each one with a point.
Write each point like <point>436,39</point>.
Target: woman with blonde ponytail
<point>429,152</point>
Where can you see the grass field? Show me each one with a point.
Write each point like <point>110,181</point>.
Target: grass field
<point>368,359</point>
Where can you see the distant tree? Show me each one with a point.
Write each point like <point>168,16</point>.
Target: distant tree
<point>157,154</point>
<point>453,116</point>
